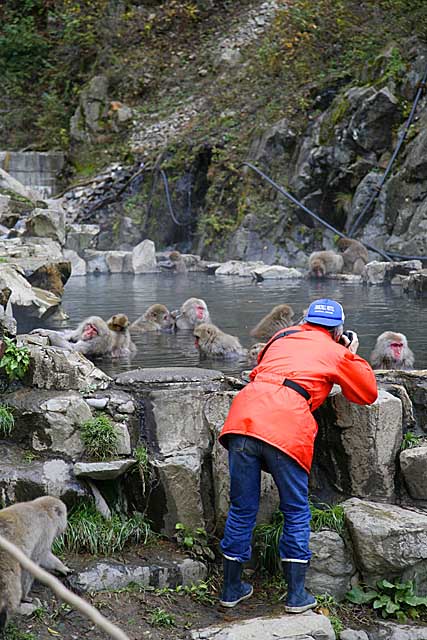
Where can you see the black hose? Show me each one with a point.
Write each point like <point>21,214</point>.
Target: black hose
<point>355,225</point>
<point>169,201</point>
<point>311,213</point>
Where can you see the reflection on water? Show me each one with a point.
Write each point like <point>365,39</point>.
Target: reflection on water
<point>236,305</point>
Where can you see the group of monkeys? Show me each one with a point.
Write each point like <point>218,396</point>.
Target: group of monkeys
<point>351,258</point>
<point>96,338</point>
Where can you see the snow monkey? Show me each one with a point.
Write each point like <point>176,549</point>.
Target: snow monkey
<point>254,351</point>
<point>214,343</point>
<point>391,351</point>
<point>155,318</point>
<point>92,338</point>
<point>278,318</point>
<point>31,526</point>
<point>122,342</point>
<point>176,263</point>
<point>192,312</point>
<point>355,255</point>
<point>322,263</point>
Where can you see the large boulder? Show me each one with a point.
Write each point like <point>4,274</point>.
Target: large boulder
<point>81,237</point>
<point>47,223</point>
<point>78,265</point>
<point>331,566</point>
<point>237,268</point>
<point>371,125</point>
<point>144,257</point>
<point>388,541</point>
<point>89,119</point>
<point>413,464</point>
<point>415,383</point>
<point>26,298</point>
<point>10,186</point>
<point>357,445</point>
<point>388,272</point>
<point>54,368</point>
<point>416,284</point>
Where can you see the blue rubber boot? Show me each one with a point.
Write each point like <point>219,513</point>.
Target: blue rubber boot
<point>298,599</point>
<point>234,590</point>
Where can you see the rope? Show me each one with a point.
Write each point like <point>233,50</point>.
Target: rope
<point>62,592</point>
<point>377,190</point>
<point>290,197</point>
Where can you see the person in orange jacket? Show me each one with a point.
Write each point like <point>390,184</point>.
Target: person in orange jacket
<point>270,426</point>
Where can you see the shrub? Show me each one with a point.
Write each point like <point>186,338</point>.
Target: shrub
<point>410,440</point>
<point>7,421</point>
<point>88,531</point>
<point>394,599</point>
<point>15,360</point>
<point>194,541</point>
<point>100,437</point>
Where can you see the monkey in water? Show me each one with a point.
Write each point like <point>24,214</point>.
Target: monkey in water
<point>279,317</point>
<point>355,255</point>
<point>254,351</point>
<point>322,263</point>
<point>122,342</point>
<point>214,343</point>
<point>92,338</point>
<point>192,312</point>
<point>155,318</point>
<point>31,526</point>
<point>391,351</point>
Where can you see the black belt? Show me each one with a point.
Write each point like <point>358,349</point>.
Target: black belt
<point>298,388</point>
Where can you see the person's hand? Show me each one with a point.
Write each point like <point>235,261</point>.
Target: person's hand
<point>353,344</point>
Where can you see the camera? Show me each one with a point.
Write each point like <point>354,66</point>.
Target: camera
<point>349,335</point>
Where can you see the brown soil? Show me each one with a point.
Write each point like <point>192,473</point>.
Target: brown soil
<point>132,609</point>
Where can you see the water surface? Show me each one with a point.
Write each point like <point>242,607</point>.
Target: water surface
<point>236,305</point>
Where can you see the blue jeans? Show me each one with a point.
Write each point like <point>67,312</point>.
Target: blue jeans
<point>246,457</point>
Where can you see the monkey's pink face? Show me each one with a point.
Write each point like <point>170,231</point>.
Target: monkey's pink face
<point>89,332</point>
<point>200,312</point>
<point>396,349</point>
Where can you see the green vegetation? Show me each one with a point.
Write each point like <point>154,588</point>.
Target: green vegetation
<point>410,440</point>
<point>144,468</point>
<point>89,532</point>
<point>7,421</point>
<point>195,542</point>
<point>15,360</point>
<point>100,437</point>
<point>13,633</point>
<point>332,609</point>
<point>267,536</point>
<point>161,618</point>
<point>393,599</point>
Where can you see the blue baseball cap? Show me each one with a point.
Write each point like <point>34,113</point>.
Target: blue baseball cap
<point>327,312</point>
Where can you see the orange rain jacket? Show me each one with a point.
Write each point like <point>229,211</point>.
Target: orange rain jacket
<point>279,415</point>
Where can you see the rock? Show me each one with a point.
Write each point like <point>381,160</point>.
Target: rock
<point>415,383</point>
<point>112,574</point>
<point>276,272</point>
<point>95,261</point>
<point>376,114</point>
<point>115,260</point>
<point>25,298</point>
<point>352,634</point>
<point>393,631</point>
<point>144,258</point>
<point>78,265</point>
<point>413,464</point>
<point>89,118</point>
<point>51,277</point>
<point>103,470</point>
<point>384,272</point>
<point>123,445</point>
<point>14,187</point>
<point>357,445</point>
<point>23,478</point>
<point>388,541</point>
<point>81,237</point>
<point>100,503</point>
<point>416,284</point>
<point>276,142</point>
<point>236,268</point>
<point>53,368</point>
<point>304,626</point>
<point>47,223</point>
<point>97,403</point>
<point>331,565</point>
<point>230,57</point>
<point>127,407</point>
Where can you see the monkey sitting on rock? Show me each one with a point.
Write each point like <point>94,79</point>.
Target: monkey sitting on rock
<point>214,343</point>
<point>31,526</point>
<point>391,351</point>
<point>355,255</point>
